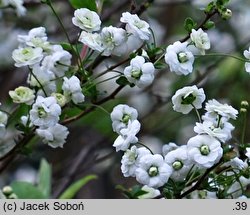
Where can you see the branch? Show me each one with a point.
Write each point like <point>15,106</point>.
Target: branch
<point>199,182</point>
<point>208,16</point>
<point>102,101</point>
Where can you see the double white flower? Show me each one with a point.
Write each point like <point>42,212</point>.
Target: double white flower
<point>179,161</point>
<point>153,171</point>
<point>127,136</point>
<point>200,40</point>
<point>204,150</point>
<point>139,72</point>
<point>136,26</point>
<point>27,56</point>
<point>185,99</point>
<point>131,159</point>
<point>179,58</point>
<point>72,89</point>
<point>54,136</point>
<point>45,112</point>
<point>87,20</point>
<point>121,115</point>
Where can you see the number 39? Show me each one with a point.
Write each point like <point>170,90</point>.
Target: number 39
<point>241,206</point>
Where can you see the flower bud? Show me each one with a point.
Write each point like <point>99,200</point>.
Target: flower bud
<point>60,98</point>
<point>12,196</point>
<point>22,95</point>
<point>7,190</point>
<point>226,14</point>
<point>244,104</point>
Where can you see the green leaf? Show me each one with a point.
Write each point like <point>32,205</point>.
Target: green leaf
<point>123,81</point>
<point>74,188</point>
<point>26,190</point>
<point>44,183</point>
<point>189,24</point>
<point>210,7</point>
<point>160,65</point>
<point>209,24</point>
<point>90,4</point>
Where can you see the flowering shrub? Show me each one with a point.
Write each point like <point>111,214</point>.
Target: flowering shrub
<point>62,87</point>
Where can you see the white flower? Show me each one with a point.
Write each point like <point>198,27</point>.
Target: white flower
<point>72,89</point>
<point>113,41</point>
<point>121,115</point>
<point>36,38</point>
<point>200,39</point>
<point>92,40</point>
<point>248,152</point>
<point>86,19</point>
<point>179,161</point>
<point>3,118</point>
<point>25,121</point>
<point>45,112</point>
<point>247,64</point>
<point>153,171</point>
<point>140,73</point>
<point>168,148</point>
<point>127,136</point>
<point>54,136</point>
<point>60,98</point>
<point>41,76</point>
<point>179,58</point>
<point>184,99</point>
<point>221,132</point>
<point>204,150</point>
<point>151,193</point>
<point>130,160</point>
<point>3,122</point>
<point>58,62</point>
<point>17,4</point>
<point>214,108</point>
<point>22,95</point>
<point>27,56</point>
<point>237,163</point>
<point>136,26</point>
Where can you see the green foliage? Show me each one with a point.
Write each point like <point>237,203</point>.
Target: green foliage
<point>74,188</point>
<point>189,24</point>
<point>131,193</point>
<point>26,190</point>
<point>210,7</point>
<point>208,25</point>
<point>123,81</point>
<point>90,4</point>
<point>44,183</point>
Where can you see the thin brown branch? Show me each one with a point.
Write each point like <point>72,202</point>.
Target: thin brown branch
<point>102,101</point>
<point>208,16</point>
<point>200,181</point>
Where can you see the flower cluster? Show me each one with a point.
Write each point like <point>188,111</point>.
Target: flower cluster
<point>111,40</point>
<point>17,4</point>
<point>48,65</point>
<point>180,56</point>
<point>177,163</point>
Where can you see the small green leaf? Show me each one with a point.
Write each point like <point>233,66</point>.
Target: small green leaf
<point>123,81</point>
<point>74,188</point>
<point>160,65</point>
<point>44,183</point>
<point>209,24</point>
<point>189,24</point>
<point>66,46</point>
<point>210,7</point>
<point>25,190</point>
<point>90,4</point>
